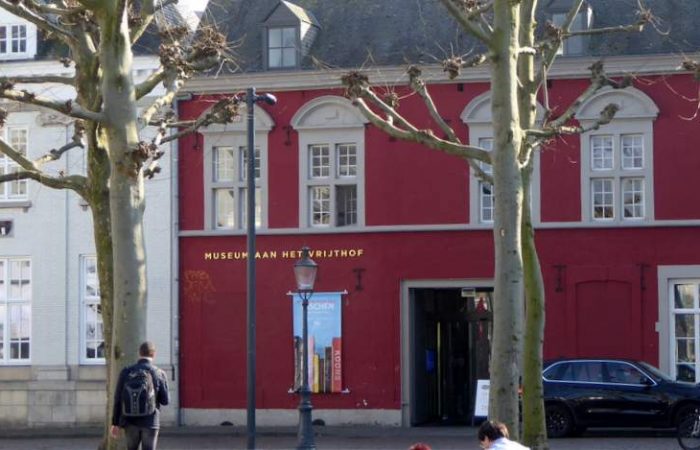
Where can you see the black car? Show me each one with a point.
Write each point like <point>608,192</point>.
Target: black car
<point>579,393</point>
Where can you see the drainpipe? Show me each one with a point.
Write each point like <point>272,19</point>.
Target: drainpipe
<point>175,262</point>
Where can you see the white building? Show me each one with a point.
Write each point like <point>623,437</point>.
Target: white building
<point>52,369</point>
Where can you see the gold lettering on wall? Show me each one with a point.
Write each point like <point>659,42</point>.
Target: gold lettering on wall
<point>225,255</point>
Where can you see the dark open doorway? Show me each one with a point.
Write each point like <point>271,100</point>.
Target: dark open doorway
<point>450,343</point>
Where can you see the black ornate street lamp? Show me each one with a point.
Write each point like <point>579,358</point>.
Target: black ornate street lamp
<point>305,273</point>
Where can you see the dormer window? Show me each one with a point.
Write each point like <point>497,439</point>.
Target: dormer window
<point>282,47</point>
<point>289,32</point>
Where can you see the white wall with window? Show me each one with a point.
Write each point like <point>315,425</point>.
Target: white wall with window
<point>617,159</point>
<point>679,321</point>
<point>477,116</point>
<point>331,161</point>
<point>18,138</point>
<point>225,173</point>
<point>15,310</point>
<point>18,38</point>
<point>92,329</point>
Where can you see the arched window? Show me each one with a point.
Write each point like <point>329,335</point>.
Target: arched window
<point>331,160</point>
<point>617,159</point>
<point>225,162</point>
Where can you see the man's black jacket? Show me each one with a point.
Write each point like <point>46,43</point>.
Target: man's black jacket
<point>160,384</point>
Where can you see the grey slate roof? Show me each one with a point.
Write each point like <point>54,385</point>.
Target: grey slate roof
<point>357,33</point>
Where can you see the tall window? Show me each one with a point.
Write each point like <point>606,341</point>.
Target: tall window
<point>282,47</point>
<point>331,163</point>
<point>486,189</point>
<point>617,177</point>
<point>332,184</point>
<point>685,330</point>
<point>93,344</point>
<point>13,39</point>
<point>229,183</point>
<point>15,310</point>
<point>13,190</point>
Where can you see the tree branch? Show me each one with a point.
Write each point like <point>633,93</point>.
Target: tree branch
<point>147,85</point>
<point>68,107</point>
<point>418,85</point>
<point>470,18</point>
<point>38,79</point>
<point>74,182</point>
<point>599,79</point>
<point>425,137</point>
<point>55,154</point>
<point>223,111</point>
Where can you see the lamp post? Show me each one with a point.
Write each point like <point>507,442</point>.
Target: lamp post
<point>305,273</point>
<point>251,100</point>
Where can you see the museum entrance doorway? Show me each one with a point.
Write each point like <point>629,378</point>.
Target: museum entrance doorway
<point>450,335</point>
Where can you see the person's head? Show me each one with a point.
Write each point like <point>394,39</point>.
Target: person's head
<point>419,446</point>
<point>490,431</point>
<point>147,349</point>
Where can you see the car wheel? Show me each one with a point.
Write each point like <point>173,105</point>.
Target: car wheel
<point>559,421</point>
<point>685,412</point>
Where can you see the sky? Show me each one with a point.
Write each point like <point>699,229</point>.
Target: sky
<point>197,5</point>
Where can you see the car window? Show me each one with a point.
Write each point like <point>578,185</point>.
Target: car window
<point>586,371</point>
<point>623,373</point>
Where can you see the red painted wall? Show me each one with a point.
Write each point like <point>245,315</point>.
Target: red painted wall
<point>601,283</point>
<point>601,301</point>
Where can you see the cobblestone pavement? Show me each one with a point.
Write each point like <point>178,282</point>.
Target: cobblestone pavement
<point>346,439</point>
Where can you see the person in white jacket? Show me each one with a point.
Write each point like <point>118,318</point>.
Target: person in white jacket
<point>494,436</point>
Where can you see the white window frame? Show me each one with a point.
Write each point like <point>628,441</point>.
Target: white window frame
<point>667,278</point>
<point>487,144</point>
<point>86,301</point>
<point>333,121</point>
<point>283,48</point>
<point>6,303</point>
<point>235,135</point>
<point>695,312</point>
<point>635,117</point>
<point>13,38</point>
<point>332,177</point>
<point>7,165</point>
<point>617,173</point>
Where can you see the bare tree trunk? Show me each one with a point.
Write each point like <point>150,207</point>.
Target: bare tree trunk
<point>126,191</point>
<point>534,427</point>
<point>508,306</point>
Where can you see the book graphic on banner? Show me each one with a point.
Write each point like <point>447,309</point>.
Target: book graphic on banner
<point>324,342</point>
<point>336,366</point>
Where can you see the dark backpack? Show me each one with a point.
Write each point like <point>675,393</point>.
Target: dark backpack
<point>139,392</point>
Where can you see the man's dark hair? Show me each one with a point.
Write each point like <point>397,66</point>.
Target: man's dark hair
<point>490,429</point>
<point>147,349</point>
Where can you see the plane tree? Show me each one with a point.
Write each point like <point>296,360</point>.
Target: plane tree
<point>109,129</point>
<point>519,55</point>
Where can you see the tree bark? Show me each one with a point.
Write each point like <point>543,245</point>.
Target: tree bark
<point>126,191</point>
<point>534,426</point>
<point>508,305</point>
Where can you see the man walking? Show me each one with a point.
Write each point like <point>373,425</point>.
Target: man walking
<point>141,389</point>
